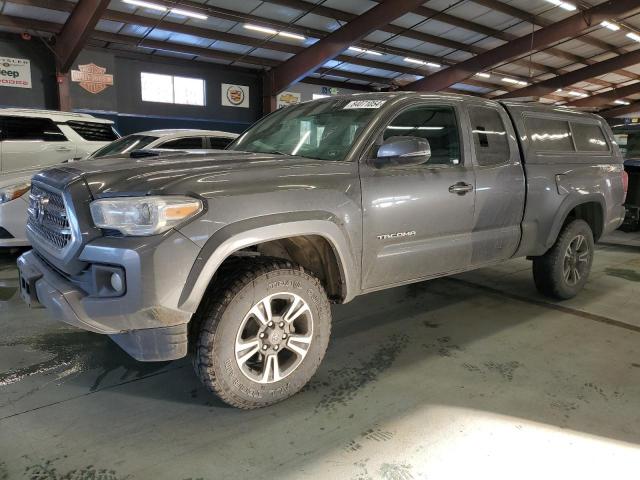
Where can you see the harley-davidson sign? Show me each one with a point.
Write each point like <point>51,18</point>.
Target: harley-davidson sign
<point>92,78</point>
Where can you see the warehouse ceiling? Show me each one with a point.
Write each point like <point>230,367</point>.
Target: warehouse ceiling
<point>465,46</point>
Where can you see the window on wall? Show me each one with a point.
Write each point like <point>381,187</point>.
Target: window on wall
<point>172,89</point>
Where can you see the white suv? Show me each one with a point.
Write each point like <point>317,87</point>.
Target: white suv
<point>31,140</point>
<point>37,138</point>
<point>14,187</point>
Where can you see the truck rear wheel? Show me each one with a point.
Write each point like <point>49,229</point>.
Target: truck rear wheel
<point>563,270</point>
<point>263,333</point>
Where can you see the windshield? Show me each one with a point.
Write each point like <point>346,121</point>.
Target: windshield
<point>323,130</point>
<point>124,145</point>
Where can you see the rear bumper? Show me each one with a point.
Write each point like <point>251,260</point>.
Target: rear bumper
<point>148,327</point>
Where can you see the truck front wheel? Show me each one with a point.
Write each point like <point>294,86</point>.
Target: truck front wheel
<point>563,270</point>
<point>262,333</point>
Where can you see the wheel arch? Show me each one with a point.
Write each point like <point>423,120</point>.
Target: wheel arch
<point>590,208</point>
<point>299,237</point>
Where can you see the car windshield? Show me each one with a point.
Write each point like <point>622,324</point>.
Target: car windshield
<point>124,145</point>
<point>324,129</point>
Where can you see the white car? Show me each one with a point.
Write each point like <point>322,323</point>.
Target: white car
<point>38,138</point>
<point>14,188</point>
<point>176,139</point>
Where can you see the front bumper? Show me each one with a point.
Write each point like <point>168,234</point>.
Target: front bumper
<point>13,219</point>
<point>145,321</point>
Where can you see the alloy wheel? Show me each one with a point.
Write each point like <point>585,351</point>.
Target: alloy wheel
<point>274,337</point>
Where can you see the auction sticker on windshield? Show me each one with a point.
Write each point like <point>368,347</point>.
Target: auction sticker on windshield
<point>364,104</point>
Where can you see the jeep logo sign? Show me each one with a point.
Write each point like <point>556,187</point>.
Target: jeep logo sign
<point>15,72</point>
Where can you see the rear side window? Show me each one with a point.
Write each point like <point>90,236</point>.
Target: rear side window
<point>94,132</point>
<point>489,136</point>
<point>589,137</point>
<point>188,143</point>
<point>219,143</point>
<point>549,135</point>
<point>22,128</point>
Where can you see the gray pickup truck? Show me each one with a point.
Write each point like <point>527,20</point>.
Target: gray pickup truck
<point>236,256</point>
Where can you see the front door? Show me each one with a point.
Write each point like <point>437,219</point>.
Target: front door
<point>418,219</point>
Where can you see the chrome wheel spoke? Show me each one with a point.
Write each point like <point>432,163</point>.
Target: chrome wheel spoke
<point>576,275</point>
<point>299,344</point>
<point>271,369</point>
<point>584,257</point>
<point>246,350</point>
<point>262,311</point>
<point>298,307</point>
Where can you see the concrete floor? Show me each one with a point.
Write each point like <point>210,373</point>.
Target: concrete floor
<point>475,375</point>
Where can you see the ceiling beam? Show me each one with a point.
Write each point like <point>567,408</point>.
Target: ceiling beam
<point>569,27</point>
<point>543,22</point>
<point>607,97</point>
<point>621,111</point>
<point>538,20</point>
<point>335,43</point>
<point>430,13</point>
<point>104,37</point>
<point>582,74</point>
<point>76,31</point>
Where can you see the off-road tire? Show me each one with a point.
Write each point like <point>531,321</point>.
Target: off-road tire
<point>235,290</point>
<point>548,269</point>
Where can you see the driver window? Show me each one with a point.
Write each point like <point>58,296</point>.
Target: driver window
<point>437,124</point>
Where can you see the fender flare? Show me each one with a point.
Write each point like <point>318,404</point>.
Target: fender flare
<point>239,235</point>
<point>568,204</point>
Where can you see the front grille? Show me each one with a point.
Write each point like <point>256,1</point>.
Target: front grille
<point>48,217</point>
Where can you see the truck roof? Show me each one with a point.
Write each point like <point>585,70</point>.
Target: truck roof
<point>514,104</point>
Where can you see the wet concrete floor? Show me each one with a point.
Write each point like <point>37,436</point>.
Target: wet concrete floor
<point>475,375</point>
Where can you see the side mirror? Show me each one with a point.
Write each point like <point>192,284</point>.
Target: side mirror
<point>402,151</point>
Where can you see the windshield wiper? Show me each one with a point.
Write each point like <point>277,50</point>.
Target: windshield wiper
<point>277,152</point>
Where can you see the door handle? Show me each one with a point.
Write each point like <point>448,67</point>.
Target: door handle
<point>461,188</point>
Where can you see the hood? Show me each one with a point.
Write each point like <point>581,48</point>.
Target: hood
<point>175,172</point>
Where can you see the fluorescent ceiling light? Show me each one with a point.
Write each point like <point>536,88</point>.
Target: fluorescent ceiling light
<point>622,102</point>
<point>258,28</point>
<point>272,31</point>
<point>634,36</point>
<point>187,13</point>
<point>611,26</point>
<point>577,94</point>
<point>421,62</point>
<point>514,81</point>
<point>292,35</point>
<point>483,75</point>
<point>559,90</point>
<point>149,5</point>
<point>564,5</point>
<point>362,50</point>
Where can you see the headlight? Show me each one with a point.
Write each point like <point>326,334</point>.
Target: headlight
<point>13,191</point>
<point>140,216</point>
